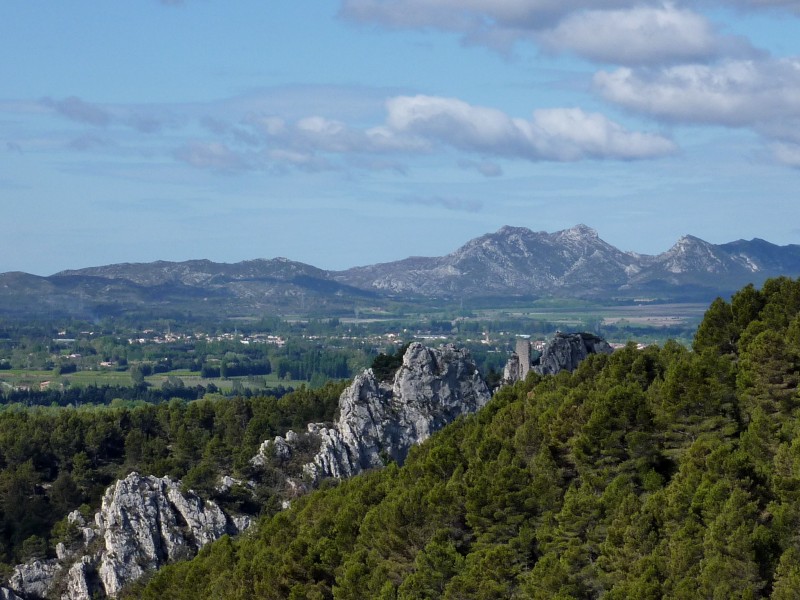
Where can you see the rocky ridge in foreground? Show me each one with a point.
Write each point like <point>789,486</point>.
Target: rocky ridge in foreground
<point>146,522</point>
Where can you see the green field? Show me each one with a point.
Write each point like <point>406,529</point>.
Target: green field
<point>35,379</point>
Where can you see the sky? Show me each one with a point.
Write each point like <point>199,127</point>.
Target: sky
<point>349,132</point>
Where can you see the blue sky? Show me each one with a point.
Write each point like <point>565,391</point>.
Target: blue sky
<point>348,132</point>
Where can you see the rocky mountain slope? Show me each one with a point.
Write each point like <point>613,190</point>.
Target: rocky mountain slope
<point>513,262</point>
<point>516,261</point>
<point>200,287</point>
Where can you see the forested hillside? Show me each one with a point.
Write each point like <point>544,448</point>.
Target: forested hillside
<point>661,473</point>
<point>55,460</point>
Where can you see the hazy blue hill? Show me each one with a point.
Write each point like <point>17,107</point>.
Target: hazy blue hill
<point>512,263</point>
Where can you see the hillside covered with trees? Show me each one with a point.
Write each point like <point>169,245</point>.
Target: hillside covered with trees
<point>55,460</point>
<point>656,473</point>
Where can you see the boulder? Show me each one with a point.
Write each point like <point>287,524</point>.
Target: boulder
<point>566,351</point>
<point>34,579</point>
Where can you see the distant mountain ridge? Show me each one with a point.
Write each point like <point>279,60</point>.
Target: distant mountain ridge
<point>513,262</point>
<point>576,262</point>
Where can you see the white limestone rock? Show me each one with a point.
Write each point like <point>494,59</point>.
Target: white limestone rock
<point>566,350</point>
<point>280,448</point>
<point>82,580</point>
<point>147,522</point>
<point>380,421</point>
<point>34,579</point>
<point>143,523</point>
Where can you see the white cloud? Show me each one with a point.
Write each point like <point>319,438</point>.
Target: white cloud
<point>472,16</point>
<point>612,31</point>
<point>415,125</point>
<point>555,134</point>
<point>734,93</point>
<point>237,136</point>
<point>640,36</point>
<point>314,134</point>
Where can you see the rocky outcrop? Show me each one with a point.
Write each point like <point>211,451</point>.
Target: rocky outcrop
<point>566,351</point>
<point>380,421</point>
<point>147,522</point>
<point>511,372</point>
<point>32,580</point>
<point>143,523</point>
<point>563,353</point>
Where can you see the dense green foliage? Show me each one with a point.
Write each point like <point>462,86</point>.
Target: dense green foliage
<point>384,366</point>
<point>662,473</point>
<point>54,460</point>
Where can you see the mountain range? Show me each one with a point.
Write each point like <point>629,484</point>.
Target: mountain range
<point>514,263</point>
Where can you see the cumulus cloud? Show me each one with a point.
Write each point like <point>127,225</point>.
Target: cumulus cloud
<point>320,134</point>
<point>236,138</point>
<point>733,93</point>
<point>641,36</point>
<point>76,109</point>
<point>473,16</point>
<point>561,134</point>
<point>616,31</point>
<point>415,125</point>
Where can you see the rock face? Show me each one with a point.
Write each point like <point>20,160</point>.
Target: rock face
<point>143,524</point>
<point>566,350</point>
<point>563,353</point>
<point>147,522</point>
<point>380,421</point>
<point>33,579</point>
